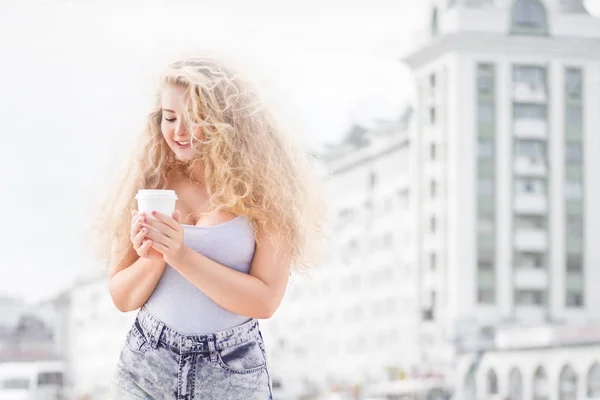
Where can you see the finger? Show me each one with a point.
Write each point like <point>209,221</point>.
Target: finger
<point>146,245</point>
<point>159,237</point>
<point>177,216</point>
<point>136,225</point>
<point>161,248</point>
<point>166,220</point>
<point>139,238</point>
<point>134,213</point>
<point>160,226</point>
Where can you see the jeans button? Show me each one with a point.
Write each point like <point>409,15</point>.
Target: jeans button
<point>187,343</point>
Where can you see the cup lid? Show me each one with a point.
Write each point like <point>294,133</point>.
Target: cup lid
<point>160,193</point>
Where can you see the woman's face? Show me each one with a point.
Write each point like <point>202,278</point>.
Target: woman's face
<point>173,125</point>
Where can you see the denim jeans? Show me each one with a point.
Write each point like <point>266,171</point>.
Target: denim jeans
<point>159,363</point>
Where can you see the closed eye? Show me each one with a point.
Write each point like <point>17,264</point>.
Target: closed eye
<point>170,119</point>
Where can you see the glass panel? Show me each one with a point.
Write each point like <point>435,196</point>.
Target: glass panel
<point>486,278</point>
<point>573,153</point>
<point>486,241</point>
<point>573,85</point>
<point>574,244</point>
<point>530,297</point>
<point>533,76</point>
<point>486,168</point>
<point>530,148</point>
<point>485,79</point>
<point>574,226</point>
<point>574,281</point>
<point>485,148</point>
<point>574,262</point>
<point>573,189</point>
<point>531,221</point>
<point>485,113</point>
<point>530,260</point>
<point>485,186</point>
<point>530,186</point>
<point>574,207</point>
<point>529,14</point>
<point>529,111</point>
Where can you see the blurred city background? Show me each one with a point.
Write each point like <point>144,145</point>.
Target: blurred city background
<point>461,149</point>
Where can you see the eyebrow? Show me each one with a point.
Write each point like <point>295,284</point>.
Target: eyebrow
<point>171,111</point>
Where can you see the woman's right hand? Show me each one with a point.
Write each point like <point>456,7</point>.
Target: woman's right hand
<point>141,244</point>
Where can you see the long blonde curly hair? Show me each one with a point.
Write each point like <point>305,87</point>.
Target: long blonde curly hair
<point>250,167</point>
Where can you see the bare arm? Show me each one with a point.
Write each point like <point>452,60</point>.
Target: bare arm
<point>134,272</point>
<point>132,280</point>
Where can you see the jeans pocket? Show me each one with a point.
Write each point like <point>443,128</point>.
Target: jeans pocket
<point>244,358</point>
<point>135,340</point>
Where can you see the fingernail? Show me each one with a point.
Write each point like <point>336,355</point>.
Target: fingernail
<point>153,212</point>
<point>144,230</point>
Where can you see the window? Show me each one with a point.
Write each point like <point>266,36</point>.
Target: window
<point>574,299</point>
<point>532,221</point>
<point>485,113</point>
<point>485,186</point>
<point>432,80</point>
<point>492,384</point>
<point>432,151</point>
<point>485,148</point>
<point>485,261</point>
<point>485,79</point>
<point>432,115</point>
<point>529,16</point>
<point>433,261</point>
<point>432,224</point>
<point>573,116</point>
<point>15,383</point>
<point>573,190</point>
<point>432,188</point>
<point>530,259</point>
<point>574,226</point>
<point>574,262</point>
<point>573,153</point>
<point>372,180</point>
<point>486,296</point>
<point>529,111</point>
<point>515,384</point>
<point>573,85</point>
<point>530,186</point>
<point>50,378</point>
<point>534,77</point>
<point>530,148</point>
<point>530,297</point>
<point>485,224</point>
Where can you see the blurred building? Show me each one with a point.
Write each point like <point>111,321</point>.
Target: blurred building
<point>96,334</point>
<point>463,240</point>
<point>355,319</point>
<point>505,182</point>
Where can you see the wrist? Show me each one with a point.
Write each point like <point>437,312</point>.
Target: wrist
<point>178,257</point>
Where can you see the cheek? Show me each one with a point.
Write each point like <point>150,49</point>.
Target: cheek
<point>165,130</point>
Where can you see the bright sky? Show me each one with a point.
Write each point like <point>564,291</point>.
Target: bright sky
<point>77,77</point>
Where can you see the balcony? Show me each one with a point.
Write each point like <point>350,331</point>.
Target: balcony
<point>530,128</point>
<point>529,93</point>
<point>530,166</point>
<point>531,203</point>
<point>531,240</point>
<point>531,278</point>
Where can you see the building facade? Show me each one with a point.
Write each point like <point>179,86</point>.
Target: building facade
<point>492,255</point>
<point>506,100</point>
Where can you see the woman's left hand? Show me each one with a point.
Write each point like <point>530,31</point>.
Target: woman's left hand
<point>166,234</point>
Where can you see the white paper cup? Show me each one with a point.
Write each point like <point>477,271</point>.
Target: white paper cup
<point>160,200</point>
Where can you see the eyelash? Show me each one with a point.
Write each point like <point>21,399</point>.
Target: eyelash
<point>170,120</point>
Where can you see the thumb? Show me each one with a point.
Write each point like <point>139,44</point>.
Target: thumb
<point>134,213</point>
<point>177,215</point>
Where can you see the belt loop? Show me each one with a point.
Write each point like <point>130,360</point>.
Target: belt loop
<point>212,348</point>
<point>155,335</point>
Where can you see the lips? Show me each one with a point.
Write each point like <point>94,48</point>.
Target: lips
<point>184,144</point>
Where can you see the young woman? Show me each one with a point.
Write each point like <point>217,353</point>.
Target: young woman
<point>248,209</point>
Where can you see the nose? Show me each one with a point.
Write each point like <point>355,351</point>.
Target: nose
<point>180,129</point>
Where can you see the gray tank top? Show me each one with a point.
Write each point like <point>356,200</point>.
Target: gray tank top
<point>181,305</point>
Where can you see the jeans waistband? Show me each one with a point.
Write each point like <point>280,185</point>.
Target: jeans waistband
<point>156,331</point>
